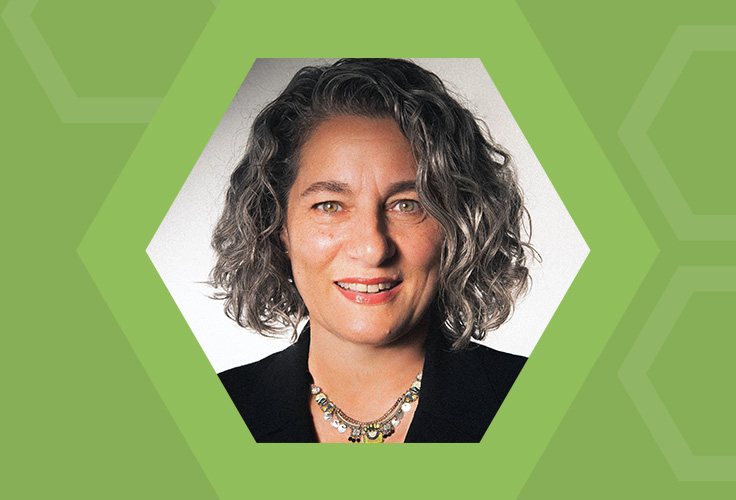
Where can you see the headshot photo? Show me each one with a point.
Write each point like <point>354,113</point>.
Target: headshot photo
<point>367,251</point>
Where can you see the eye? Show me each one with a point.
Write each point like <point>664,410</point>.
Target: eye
<point>406,206</point>
<point>328,206</point>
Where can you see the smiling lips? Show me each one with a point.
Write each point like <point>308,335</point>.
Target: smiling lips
<point>368,291</point>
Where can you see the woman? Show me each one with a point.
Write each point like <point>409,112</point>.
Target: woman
<point>371,203</point>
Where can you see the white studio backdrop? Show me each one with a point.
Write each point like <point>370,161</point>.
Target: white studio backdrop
<point>180,249</point>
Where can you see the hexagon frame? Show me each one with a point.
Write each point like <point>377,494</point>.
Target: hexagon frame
<point>633,132</point>
<point>112,251</point>
<point>70,107</point>
<point>633,374</point>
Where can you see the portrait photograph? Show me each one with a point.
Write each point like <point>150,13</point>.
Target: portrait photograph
<point>367,250</point>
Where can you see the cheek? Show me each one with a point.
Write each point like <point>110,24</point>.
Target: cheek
<point>312,248</point>
<point>312,253</point>
<point>424,248</point>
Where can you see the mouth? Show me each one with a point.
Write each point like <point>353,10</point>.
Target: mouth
<point>369,291</point>
<point>367,288</point>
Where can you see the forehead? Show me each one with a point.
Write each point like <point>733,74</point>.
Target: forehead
<point>355,149</point>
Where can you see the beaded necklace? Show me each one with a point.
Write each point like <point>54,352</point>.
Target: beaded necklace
<point>375,431</point>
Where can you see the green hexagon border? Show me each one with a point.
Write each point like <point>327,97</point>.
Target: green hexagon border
<point>69,107</point>
<point>113,250</point>
<point>646,158</point>
<point>633,373</point>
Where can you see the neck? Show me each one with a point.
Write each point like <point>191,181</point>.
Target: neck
<point>364,380</point>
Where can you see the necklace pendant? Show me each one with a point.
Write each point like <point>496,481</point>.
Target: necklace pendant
<point>372,434</point>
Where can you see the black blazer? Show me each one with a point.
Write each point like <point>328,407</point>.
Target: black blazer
<point>461,393</point>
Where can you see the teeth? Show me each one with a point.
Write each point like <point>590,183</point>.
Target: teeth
<point>361,287</point>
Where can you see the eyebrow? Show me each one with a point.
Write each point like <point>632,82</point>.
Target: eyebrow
<point>343,188</point>
<point>400,187</point>
<point>327,186</point>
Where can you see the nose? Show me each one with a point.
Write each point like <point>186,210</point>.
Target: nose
<point>370,241</point>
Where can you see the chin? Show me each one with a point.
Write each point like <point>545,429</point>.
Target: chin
<point>373,333</point>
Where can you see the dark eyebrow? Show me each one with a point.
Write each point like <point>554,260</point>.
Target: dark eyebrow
<point>328,186</point>
<point>401,187</point>
<point>342,188</point>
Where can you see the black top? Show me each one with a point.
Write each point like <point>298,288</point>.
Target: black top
<point>461,393</point>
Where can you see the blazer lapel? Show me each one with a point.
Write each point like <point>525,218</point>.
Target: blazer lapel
<point>457,402</point>
<point>282,392</point>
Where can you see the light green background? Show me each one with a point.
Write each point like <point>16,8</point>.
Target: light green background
<point>106,107</point>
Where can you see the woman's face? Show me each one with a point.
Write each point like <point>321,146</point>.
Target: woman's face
<point>364,254</point>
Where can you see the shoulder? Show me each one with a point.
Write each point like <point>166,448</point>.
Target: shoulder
<point>243,383</point>
<point>462,391</point>
<point>242,377</point>
<point>271,395</point>
<point>478,365</point>
<point>500,368</point>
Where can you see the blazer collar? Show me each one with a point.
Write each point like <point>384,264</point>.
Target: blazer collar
<point>456,404</point>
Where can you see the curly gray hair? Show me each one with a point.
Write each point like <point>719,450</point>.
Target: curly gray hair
<point>464,180</point>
